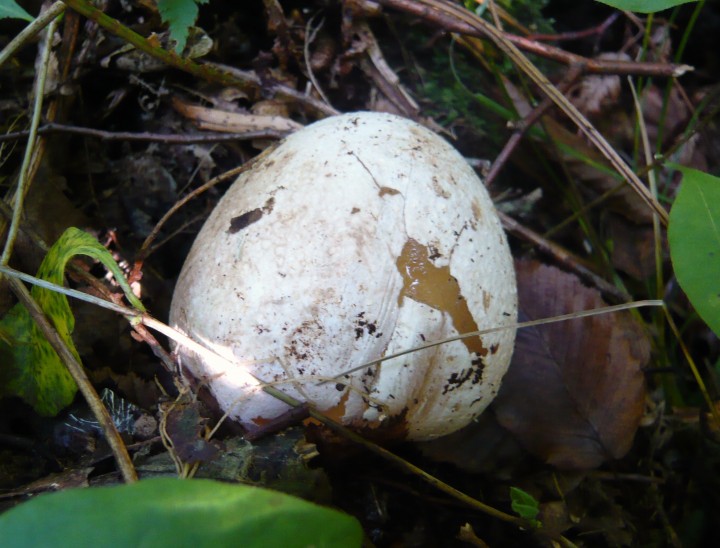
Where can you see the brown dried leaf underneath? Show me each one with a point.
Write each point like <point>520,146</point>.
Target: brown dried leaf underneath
<point>184,428</point>
<point>575,390</point>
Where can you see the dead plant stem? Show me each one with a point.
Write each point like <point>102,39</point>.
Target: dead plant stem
<point>165,138</point>
<point>146,245</point>
<point>210,72</point>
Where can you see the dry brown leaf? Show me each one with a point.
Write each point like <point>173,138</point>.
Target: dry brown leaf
<point>633,249</point>
<point>575,390</point>
<point>597,92</point>
<point>184,427</point>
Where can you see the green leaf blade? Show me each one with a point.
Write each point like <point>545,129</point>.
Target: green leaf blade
<point>644,6</point>
<point>9,9</point>
<point>694,237</point>
<point>175,513</point>
<point>180,15</point>
<point>524,504</point>
<point>31,369</point>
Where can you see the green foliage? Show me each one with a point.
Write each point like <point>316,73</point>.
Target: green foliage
<point>644,6</point>
<point>175,513</point>
<point>527,12</point>
<point>180,15</point>
<point>9,9</point>
<point>31,369</point>
<point>444,75</point>
<point>525,505</point>
<point>694,237</point>
<point>452,83</point>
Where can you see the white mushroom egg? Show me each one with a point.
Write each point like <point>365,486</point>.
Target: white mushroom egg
<point>360,236</point>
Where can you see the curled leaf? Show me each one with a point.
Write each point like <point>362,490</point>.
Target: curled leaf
<point>31,368</point>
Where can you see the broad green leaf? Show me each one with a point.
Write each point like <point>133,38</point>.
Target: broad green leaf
<point>694,236</point>
<point>180,15</point>
<point>644,6</point>
<point>30,367</point>
<point>175,513</point>
<point>9,9</point>
<point>525,505</point>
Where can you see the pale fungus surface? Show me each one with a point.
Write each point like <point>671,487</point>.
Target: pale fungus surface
<point>360,236</point>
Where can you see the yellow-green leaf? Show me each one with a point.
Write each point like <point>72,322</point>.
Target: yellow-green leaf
<point>31,369</point>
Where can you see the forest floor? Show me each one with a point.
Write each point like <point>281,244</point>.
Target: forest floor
<point>606,427</point>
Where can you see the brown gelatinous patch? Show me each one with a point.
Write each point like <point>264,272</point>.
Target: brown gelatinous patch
<point>477,210</point>
<point>337,412</point>
<point>246,219</point>
<point>387,191</point>
<point>436,287</point>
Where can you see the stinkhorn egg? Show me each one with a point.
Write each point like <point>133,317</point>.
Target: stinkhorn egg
<point>360,236</point>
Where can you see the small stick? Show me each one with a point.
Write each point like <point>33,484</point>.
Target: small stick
<point>576,35</point>
<point>561,255</point>
<point>440,14</point>
<point>145,248</point>
<point>167,138</point>
<point>522,126</point>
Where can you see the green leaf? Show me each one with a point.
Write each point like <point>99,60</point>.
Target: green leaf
<point>525,505</point>
<point>694,236</point>
<point>180,15</point>
<point>644,6</point>
<point>9,9</point>
<point>175,513</point>
<point>30,367</point>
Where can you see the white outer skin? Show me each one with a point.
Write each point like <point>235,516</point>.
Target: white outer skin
<point>284,296</point>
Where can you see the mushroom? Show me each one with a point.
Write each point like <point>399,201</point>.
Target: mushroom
<point>360,236</point>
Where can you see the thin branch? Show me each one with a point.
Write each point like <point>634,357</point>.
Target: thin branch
<point>145,249</point>
<point>167,138</point>
<point>522,126</point>
<point>207,73</point>
<point>310,34</point>
<point>561,255</point>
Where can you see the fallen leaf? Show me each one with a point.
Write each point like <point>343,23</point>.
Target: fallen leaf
<point>185,427</point>
<point>598,92</point>
<point>575,391</point>
<point>633,246</point>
